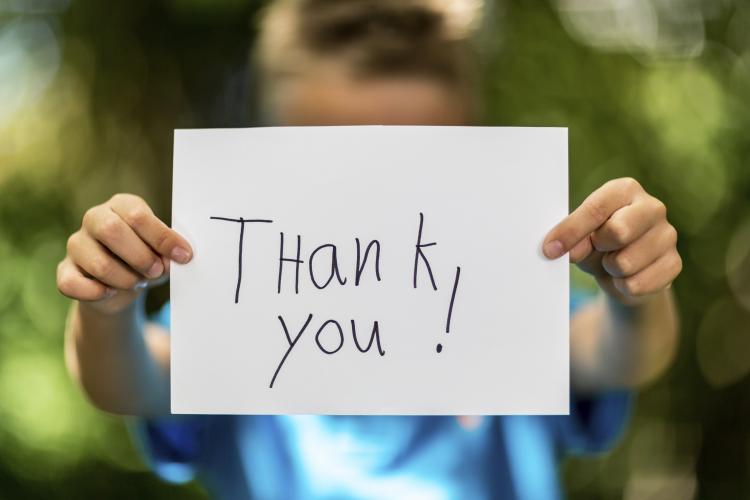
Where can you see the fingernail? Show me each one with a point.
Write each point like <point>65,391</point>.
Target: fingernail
<point>141,285</point>
<point>553,249</point>
<point>109,292</point>
<point>180,255</point>
<point>155,270</point>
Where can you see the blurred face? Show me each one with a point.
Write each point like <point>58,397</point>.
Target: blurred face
<point>331,97</point>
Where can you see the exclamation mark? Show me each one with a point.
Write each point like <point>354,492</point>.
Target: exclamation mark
<point>439,347</point>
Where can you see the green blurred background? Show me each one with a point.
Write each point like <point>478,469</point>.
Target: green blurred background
<point>90,92</point>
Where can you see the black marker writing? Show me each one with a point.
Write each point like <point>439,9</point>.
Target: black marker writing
<point>242,221</point>
<point>297,262</point>
<point>453,299</point>
<point>325,345</point>
<point>334,266</point>
<point>450,307</point>
<point>323,265</point>
<point>374,337</point>
<point>361,261</point>
<point>322,329</point>
<point>291,342</point>
<point>419,254</point>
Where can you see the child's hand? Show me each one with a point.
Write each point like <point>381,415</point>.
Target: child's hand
<point>120,246</point>
<point>620,234</point>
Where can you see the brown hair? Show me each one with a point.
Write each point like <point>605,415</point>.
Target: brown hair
<point>370,38</point>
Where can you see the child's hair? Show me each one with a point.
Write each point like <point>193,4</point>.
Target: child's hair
<point>370,39</point>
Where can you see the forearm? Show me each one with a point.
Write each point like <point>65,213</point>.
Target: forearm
<point>617,346</point>
<point>111,358</point>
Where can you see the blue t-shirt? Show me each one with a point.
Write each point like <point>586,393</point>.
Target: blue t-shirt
<point>342,457</point>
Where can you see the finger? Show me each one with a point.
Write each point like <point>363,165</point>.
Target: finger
<point>628,224</point>
<point>72,283</point>
<point>138,215</point>
<point>97,262</point>
<point>641,253</point>
<point>655,277</point>
<point>590,215</point>
<point>592,264</point>
<point>582,250</point>
<point>111,231</point>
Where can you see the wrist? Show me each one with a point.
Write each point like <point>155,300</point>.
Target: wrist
<point>122,302</point>
<point>121,309</point>
<point>626,309</point>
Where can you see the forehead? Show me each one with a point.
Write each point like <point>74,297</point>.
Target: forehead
<point>333,98</point>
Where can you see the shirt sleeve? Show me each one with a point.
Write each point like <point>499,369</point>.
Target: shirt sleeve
<point>595,422</point>
<point>172,446</point>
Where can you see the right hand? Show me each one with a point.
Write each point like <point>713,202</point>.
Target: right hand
<point>120,247</point>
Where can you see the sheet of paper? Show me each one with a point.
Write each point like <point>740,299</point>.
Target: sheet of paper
<point>370,270</point>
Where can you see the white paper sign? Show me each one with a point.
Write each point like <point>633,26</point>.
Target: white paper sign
<point>370,270</point>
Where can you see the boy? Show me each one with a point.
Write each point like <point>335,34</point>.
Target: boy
<point>333,62</point>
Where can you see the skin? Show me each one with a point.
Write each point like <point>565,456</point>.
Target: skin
<point>619,234</point>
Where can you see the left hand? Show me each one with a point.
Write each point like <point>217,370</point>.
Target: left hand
<point>621,236</point>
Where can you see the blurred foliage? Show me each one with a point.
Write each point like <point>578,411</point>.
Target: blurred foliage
<point>91,91</point>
